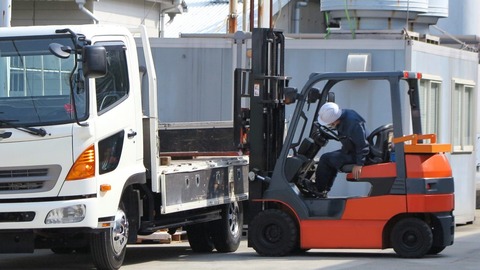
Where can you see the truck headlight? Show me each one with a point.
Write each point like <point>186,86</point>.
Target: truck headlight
<point>70,214</point>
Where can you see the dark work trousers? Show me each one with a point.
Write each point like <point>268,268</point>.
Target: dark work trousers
<point>328,166</point>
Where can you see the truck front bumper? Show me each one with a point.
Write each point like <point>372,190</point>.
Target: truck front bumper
<point>67,212</point>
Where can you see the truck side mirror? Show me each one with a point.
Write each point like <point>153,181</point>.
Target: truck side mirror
<point>94,61</point>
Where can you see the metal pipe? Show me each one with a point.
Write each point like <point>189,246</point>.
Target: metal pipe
<point>6,7</point>
<point>264,20</point>
<point>232,17</point>
<point>270,14</point>
<point>81,6</point>
<point>252,15</point>
<point>244,16</point>
<point>296,17</point>
<point>260,14</point>
<point>162,25</point>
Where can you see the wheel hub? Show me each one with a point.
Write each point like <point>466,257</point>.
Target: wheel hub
<point>233,219</point>
<point>119,232</point>
<point>410,239</point>
<point>273,233</point>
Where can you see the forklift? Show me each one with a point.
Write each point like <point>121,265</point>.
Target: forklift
<point>409,206</point>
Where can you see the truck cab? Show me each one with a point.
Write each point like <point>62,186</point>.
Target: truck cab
<point>81,168</point>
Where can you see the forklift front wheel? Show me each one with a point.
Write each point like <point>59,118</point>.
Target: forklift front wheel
<point>411,238</point>
<point>273,233</point>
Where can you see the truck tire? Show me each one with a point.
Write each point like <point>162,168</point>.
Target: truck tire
<point>199,238</point>
<point>227,232</point>
<point>411,238</point>
<point>108,247</point>
<point>273,233</point>
<point>62,250</point>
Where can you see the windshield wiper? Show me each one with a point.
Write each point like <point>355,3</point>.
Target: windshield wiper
<point>35,131</point>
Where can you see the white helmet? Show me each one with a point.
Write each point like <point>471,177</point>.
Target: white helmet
<point>329,113</point>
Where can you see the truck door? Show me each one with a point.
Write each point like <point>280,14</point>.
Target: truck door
<point>118,120</point>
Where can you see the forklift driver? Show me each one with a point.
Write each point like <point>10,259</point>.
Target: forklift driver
<point>355,148</point>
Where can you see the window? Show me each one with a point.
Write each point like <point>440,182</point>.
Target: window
<point>110,150</point>
<point>113,87</point>
<point>429,93</point>
<point>35,84</point>
<point>463,98</point>
<point>39,75</point>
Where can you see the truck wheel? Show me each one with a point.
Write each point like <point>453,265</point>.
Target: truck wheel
<point>227,232</point>
<point>62,250</point>
<point>199,238</point>
<point>108,247</point>
<point>273,233</point>
<point>411,238</point>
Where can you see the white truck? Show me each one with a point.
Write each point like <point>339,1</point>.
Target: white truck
<point>80,168</point>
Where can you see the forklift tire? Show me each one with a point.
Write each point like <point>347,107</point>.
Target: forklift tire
<point>273,233</point>
<point>435,250</point>
<point>411,238</point>
<point>199,238</point>
<point>227,231</point>
<point>108,247</point>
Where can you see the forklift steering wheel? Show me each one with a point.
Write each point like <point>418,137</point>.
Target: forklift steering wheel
<point>328,133</point>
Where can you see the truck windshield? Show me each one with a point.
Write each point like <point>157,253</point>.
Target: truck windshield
<point>35,84</point>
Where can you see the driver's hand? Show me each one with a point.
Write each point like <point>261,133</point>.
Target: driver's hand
<point>356,171</point>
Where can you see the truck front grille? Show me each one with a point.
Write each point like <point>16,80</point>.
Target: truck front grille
<point>25,180</point>
<point>23,173</point>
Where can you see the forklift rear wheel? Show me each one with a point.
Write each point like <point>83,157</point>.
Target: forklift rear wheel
<point>227,231</point>
<point>411,238</point>
<point>273,233</point>
<point>435,250</point>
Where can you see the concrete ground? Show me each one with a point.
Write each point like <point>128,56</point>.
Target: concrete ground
<point>463,254</point>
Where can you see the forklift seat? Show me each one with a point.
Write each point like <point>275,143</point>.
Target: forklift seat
<point>379,141</point>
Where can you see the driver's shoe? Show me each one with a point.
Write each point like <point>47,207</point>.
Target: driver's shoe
<point>320,194</point>
<point>323,194</point>
<point>308,185</point>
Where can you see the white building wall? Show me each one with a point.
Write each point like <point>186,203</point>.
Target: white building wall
<point>448,64</point>
<point>464,19</point>
<point>317,55</point>
<point>129,13</point>
<point>26,13</point>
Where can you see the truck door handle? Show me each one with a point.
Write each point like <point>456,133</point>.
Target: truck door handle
<point>131,134</point>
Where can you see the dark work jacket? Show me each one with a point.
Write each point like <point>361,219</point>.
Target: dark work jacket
<point>353,135</point>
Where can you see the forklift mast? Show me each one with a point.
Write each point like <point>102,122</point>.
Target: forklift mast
<point>259,105</point>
